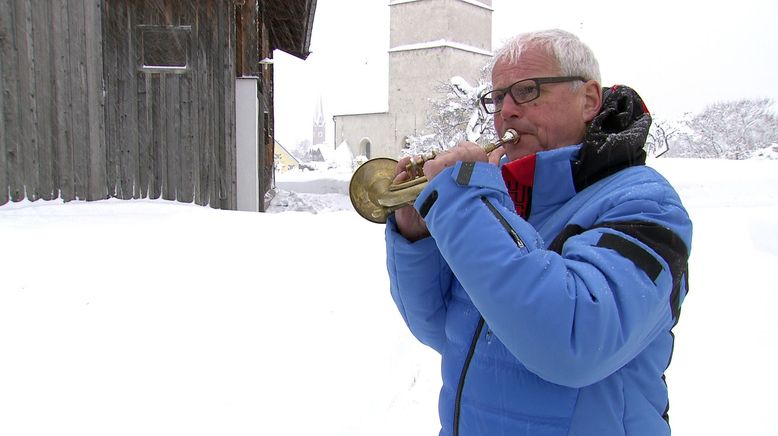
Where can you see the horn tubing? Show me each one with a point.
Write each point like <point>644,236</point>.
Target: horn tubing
<point>373,194</point>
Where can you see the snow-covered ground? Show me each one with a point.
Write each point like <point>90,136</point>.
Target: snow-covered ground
<point>160,318</point>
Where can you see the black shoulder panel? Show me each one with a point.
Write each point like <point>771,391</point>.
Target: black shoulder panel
<point>628,249</point>
<point>661,240</point>
<point>666,244</point>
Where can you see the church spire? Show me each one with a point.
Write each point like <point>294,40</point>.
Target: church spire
<point>318,125</point>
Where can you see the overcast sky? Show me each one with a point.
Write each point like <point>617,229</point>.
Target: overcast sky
<point>680,55</point>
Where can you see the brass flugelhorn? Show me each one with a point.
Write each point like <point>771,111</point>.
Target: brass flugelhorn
<point>373,194</point>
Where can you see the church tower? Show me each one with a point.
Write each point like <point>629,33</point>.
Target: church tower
<point>430,41</point>
<point>318,125</point>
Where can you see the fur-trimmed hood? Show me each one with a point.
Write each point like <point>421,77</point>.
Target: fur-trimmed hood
<point>615,138</point>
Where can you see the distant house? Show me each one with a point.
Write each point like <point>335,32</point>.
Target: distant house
<point>284,160</point>
<point>137,98</point>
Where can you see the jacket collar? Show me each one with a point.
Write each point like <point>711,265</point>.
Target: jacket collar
<point>613,141</point>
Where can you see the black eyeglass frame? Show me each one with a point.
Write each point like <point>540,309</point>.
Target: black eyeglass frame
<point>538,81</point>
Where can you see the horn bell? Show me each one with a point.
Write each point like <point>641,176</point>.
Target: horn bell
<point>368,185</point>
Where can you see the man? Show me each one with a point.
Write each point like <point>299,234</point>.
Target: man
<point>549,284</point>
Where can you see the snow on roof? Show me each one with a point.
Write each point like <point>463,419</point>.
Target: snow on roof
<point>440,43</point>
<point>472,2</point>
<point>278,144</point>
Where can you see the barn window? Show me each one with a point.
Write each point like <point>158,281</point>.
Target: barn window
<point>165,48</point>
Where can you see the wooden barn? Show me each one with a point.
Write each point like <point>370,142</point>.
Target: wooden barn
<point>167,99</point>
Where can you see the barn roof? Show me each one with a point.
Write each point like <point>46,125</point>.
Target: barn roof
<point>291,25</point>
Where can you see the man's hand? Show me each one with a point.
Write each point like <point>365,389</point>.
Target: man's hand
<point>464,151</point>
<point>409,223</point>
<point>496,155</point>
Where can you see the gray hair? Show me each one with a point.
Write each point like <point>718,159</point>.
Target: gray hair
<point>573,57</point>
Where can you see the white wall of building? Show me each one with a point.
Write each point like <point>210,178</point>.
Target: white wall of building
<point>430,42</point>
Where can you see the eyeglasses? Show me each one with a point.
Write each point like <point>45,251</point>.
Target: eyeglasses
<point>523,91</point>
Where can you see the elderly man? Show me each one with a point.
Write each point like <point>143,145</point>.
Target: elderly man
<point>548,280</point>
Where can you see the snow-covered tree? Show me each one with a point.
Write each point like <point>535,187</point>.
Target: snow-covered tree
<point>729,130</point>
<point>456,115</point>
<point>302,149</point>
<point>662,134</point>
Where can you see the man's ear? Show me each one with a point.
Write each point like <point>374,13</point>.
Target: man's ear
<point>592,95</point>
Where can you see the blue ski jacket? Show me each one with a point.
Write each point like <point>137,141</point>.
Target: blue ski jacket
<point>558,323</point>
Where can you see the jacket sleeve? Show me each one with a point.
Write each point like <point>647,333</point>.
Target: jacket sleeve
<point>572,317</point>
<point>420,282</point>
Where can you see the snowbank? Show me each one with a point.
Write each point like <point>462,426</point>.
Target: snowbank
<point>160,318</point>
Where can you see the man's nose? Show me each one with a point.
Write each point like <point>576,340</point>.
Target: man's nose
<point>510,109</point>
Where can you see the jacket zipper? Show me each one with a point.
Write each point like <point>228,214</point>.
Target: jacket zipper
<point>505,224</point>
<point>470,352</point>
<point>461,385</point>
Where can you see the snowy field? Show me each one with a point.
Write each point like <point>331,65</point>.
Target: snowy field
<point>159,318</point>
